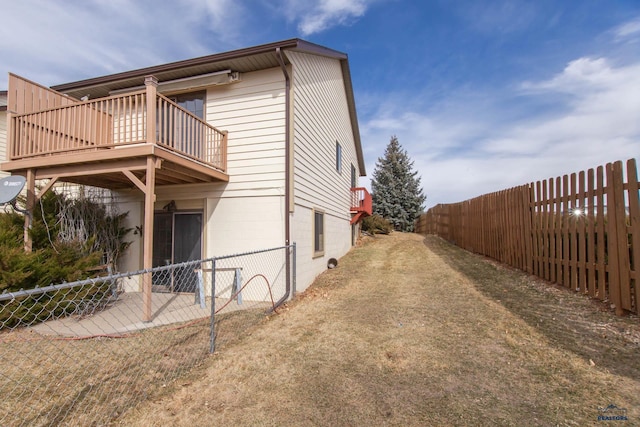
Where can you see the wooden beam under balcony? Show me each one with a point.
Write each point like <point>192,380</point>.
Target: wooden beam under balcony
<point>104,168</point>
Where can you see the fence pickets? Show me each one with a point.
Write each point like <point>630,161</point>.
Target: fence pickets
<point>580,231</point>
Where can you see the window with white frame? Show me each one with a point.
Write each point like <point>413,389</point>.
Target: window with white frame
<point>338,157</point>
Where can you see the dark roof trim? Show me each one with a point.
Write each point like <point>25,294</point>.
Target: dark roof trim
<point>346,73</point>
<point>296,44</point>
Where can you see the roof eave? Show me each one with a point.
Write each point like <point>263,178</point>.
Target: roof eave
<point>290,44</point>
<point>353,115</point>
<point>296,44</point>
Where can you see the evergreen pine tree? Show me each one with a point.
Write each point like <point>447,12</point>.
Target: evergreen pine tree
<point>397,195</point>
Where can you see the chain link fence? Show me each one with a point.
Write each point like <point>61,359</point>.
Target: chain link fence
<point>83,353</point>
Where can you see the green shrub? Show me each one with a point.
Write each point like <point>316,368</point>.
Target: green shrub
<point>54,260</point>
<point>376,224</point>
<point>11,230</point>
<point>42,267</point>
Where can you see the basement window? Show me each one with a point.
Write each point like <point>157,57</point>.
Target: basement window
<point>318,233</point>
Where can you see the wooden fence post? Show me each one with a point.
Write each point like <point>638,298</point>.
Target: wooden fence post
<point>617,239</point>
<point>634,225</point>
<point>530,239</point>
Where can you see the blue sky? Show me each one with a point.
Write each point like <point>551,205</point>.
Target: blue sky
<point>484,95</point>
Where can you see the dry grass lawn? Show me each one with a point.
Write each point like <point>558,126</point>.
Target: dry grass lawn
<point>411,331</point>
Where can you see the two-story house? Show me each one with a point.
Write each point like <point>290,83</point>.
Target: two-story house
<point>227,153</point>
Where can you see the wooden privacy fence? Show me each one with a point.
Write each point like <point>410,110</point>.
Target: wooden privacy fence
<point>581,231</point>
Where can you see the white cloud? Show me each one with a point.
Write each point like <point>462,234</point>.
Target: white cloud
<point>497,16</point>
<point>605,101</point>
<point>430,136</point>
<point>628,29</point>
<point>222,18</point>
<point>314,16</point>
<point>469,149</point>
<point>77,40</point>
<point>579,75</point>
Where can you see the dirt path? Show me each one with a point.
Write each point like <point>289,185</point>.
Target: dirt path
<point>412,331</point>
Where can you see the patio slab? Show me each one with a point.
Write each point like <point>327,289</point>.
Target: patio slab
<point>124,315</point>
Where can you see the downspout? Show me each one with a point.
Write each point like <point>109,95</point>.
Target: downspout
<point>287,176</point>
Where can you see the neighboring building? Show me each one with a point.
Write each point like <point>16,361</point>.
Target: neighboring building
<point>269,152</point>
<point>3,128</point>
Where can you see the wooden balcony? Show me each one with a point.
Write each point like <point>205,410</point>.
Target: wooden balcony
<point>103,142</point>
<point>361,204</point>
<point>139,139</point>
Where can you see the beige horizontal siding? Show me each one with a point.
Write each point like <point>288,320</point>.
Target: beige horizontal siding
<point>321,119</point>
<point>253,112</point>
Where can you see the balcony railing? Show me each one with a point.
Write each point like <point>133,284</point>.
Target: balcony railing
<point>113,122</point>
<point>181,131</point>
<point>361,203</point>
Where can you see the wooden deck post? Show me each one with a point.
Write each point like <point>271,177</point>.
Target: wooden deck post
<point>149,199</point>
<point>31,201</point>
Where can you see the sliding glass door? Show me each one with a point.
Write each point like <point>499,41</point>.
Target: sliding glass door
<point>177,237</point>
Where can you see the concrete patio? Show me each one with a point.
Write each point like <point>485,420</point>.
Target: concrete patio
<point>124,315</point>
